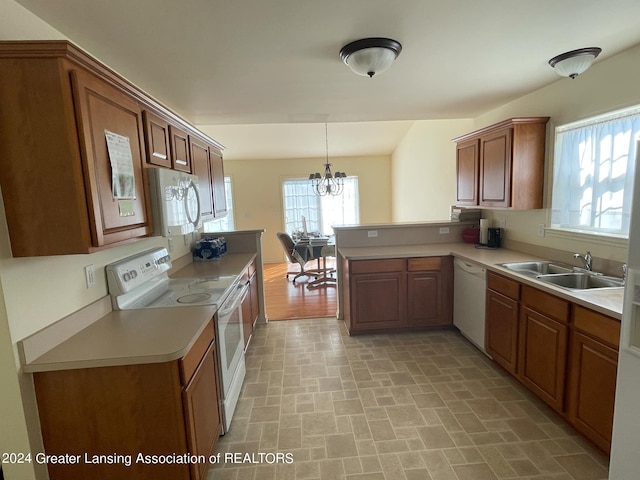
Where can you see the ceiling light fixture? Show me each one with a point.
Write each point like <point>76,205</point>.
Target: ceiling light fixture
<point>370,56</point>
<point>329,184</point>
<point>573,63</point>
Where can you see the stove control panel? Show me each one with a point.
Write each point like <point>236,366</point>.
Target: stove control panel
<point>125,275</point>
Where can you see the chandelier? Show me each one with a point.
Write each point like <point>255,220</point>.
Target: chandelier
<point>327,184</point>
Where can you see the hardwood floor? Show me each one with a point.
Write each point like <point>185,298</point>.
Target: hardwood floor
<point>286,301</point>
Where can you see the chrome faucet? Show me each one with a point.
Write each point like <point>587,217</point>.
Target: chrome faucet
<point>586,260</point>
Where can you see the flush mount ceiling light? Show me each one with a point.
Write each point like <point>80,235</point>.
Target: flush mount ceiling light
<point>370,56</point>
<point>573,63</point>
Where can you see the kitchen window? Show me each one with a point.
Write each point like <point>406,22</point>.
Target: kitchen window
<point>593,174</point>
<point>320,213</point>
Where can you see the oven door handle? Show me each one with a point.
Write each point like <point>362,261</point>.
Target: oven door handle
<point>234,300</point>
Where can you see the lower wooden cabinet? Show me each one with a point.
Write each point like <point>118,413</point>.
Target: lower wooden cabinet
<point>250,302</point>
<point>594,361</point>
<point>155,409</point>
<point>543,344</point>
<point>565,354</point>
<point>398,293</point>
<point>502,315</point>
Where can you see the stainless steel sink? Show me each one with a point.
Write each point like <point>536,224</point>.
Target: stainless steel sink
<point>538,268</point>
<point>581,281</point>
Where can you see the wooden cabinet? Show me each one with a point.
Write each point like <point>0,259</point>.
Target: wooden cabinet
<point>217,180</point>
<point>58,106</point>
<point>502,314</point>
<point>467,170</point>
<point>495,168</point>
<point>149,409</point>
<point>250,302</point>
<point>202,415</point>
<point>398,293</point>
<point>429,291</point>
<point>180,153</point>
<point>594,366</point>
<point>55,171</point>
<point>502,166</point>
<point>543,345</point>
<point>201,168</point>
<point>118,206</point>
<point>564,353</point>
<point>156,132</point>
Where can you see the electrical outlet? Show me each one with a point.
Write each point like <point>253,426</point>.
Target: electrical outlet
<point>503,223</point>
<point>90,276</point>
<point>541,229</point>
<point>170,244</point>
<point>444,230</point>
<point>372,233</point>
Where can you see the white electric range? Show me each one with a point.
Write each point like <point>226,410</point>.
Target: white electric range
<point>141,281</point>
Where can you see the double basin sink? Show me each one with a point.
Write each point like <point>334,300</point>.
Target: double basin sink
<point>565,276</point>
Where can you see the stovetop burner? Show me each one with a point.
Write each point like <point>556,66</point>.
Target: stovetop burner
<point>194,298</point>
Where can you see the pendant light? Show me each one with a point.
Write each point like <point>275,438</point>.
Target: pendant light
<point>327,184</point>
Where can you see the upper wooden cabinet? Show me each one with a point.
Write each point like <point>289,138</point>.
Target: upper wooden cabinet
<point>217,178</point>
<point>467,173</point>
<point>502,166</point>
<point>55,170</point>
<point>58,108</point>
<point>180,151</point>
<point>156,132</point>
<point>206,163</point>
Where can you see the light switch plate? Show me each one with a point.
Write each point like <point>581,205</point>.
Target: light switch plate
<point>90,276</point>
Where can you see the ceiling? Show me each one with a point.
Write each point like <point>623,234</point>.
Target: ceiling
<point>271,69</point>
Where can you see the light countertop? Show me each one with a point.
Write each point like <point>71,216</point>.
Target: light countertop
<point>606,301</point>
<point>152,335</point>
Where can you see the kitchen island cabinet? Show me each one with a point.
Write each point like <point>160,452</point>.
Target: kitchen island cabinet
<point>166,408</point>
<point>400,293</point>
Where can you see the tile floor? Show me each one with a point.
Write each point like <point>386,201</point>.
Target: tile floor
<point>391,407</point>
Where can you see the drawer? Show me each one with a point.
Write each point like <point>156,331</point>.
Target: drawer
<point>597,325</point>
<point>189,363</point>
<point>424,263</point>
<point>545,303</point>
<point>377,266</point>
<point>505,286</point>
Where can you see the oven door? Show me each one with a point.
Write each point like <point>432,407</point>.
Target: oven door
<point>230,343</point>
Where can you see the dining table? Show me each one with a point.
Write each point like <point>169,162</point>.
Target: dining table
<point>318,249</point>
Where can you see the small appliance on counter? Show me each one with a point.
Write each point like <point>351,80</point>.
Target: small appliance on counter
<point>209,248</point>
<point>494,237</point>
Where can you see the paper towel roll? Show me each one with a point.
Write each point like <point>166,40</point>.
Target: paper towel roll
<point>484,231</point>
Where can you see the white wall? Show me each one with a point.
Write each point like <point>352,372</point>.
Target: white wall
<point>257,191</point>
<point>424,169</point>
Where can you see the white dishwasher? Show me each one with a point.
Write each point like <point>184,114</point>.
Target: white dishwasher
<point>469,291</point>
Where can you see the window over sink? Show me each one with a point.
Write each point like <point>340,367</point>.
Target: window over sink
<point>594,162</point>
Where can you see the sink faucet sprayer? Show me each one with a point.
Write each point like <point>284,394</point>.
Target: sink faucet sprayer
<point>586,259</point>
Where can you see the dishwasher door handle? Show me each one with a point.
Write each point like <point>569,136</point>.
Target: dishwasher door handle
<point>471,268</point>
